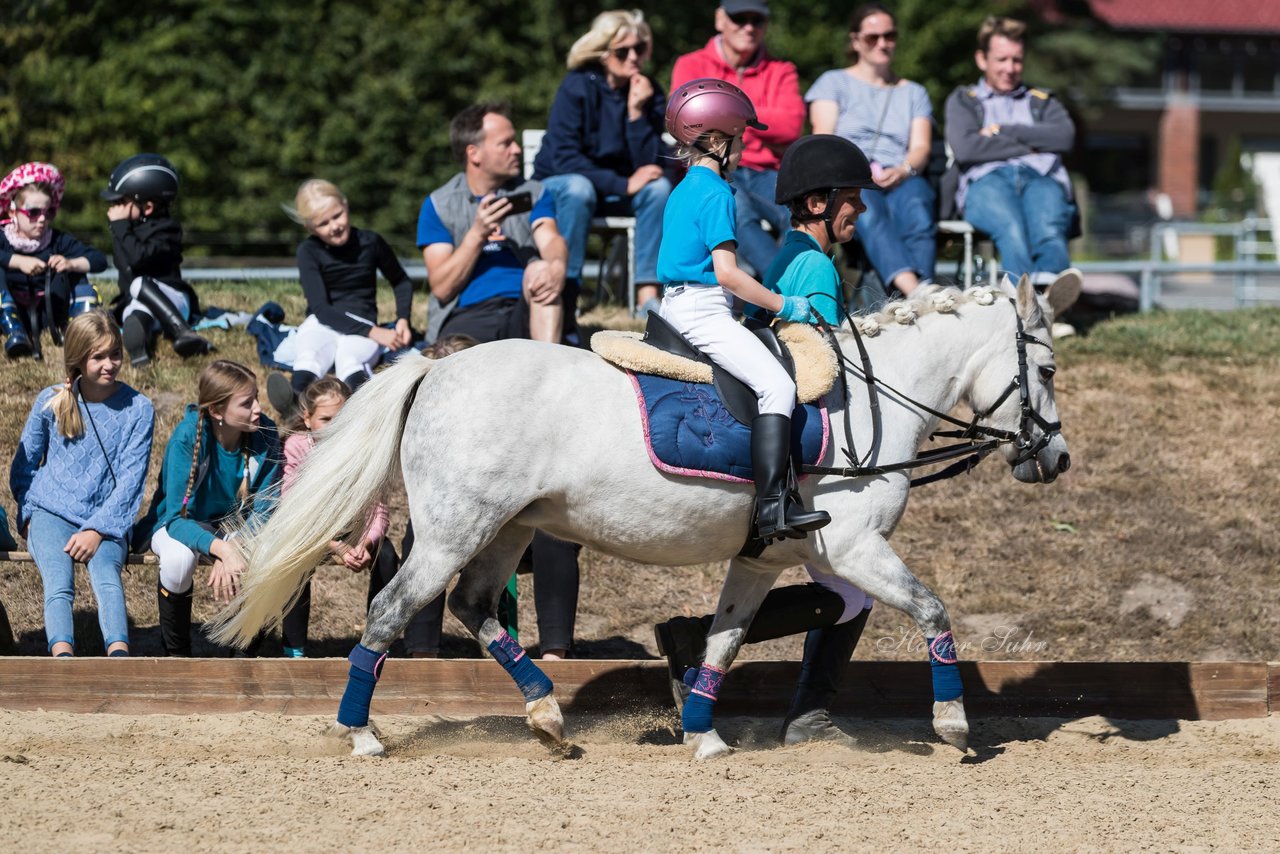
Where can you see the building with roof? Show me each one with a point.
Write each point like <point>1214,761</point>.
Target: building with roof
<point>1218,86</point>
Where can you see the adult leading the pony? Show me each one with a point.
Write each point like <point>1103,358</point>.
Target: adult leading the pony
<point>820,180</point>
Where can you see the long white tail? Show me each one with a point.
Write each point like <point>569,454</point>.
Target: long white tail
<point>335,488</point>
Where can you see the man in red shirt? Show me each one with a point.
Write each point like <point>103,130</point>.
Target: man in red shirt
<point>737,55</point>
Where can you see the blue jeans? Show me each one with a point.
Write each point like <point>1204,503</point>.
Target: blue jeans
<point>1027,215</point>
<point>755,189</point>
<point>46,537</point>
<point>897,230</point>
<point>577,202</point>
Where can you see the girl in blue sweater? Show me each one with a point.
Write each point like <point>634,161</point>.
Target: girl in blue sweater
<point>78,476</point>
<point>223,459</point>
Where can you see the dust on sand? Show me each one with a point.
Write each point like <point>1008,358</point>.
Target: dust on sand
<point>247,781</point>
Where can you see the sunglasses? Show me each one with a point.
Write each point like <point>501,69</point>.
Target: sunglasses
<point>890,37</point>
<point>754,19</point>
<point>36,213</point>
<point>621,53</point>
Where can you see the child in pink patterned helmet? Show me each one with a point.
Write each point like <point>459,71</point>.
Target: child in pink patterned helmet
<point>42,270</point>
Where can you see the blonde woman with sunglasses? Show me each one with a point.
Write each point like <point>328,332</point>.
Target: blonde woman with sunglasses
<point>602,153</point>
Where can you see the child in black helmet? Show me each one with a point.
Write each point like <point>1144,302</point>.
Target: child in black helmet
<point>147,246</point>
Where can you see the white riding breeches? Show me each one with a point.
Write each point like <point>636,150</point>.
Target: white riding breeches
<point>177,297</point>
<point>704,316</point>
<point>855,600</point>
<point>177,561</point>
<point>319,348</point>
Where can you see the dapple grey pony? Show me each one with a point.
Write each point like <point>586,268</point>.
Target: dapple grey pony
<point>505,438</point>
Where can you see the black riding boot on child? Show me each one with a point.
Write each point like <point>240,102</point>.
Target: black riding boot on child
<point>175,621</point>
<point>779,511</point>
<point>137,332</point>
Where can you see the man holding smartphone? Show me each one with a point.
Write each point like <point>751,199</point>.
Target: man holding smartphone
<point>496,269</point>
<point>495,258</point>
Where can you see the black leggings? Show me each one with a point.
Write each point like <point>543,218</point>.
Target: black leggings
<point>418,635</point>
<point>555,589</point>
<point>555,593</point>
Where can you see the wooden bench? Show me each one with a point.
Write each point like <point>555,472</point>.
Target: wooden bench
<point>25,557</point>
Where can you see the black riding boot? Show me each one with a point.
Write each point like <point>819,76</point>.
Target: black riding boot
<point>779,512</point>
<point>137,338</point>
<point>185,341</point>
<point>826,655</point>
<point>785,611</point>
<point>175,621</point>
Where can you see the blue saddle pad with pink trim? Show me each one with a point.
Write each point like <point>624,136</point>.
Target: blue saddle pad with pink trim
<point>689,432</point>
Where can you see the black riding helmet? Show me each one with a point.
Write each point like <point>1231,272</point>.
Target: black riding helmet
<point>143,178</point>
<point>818,162</point>
<point>821,163</point>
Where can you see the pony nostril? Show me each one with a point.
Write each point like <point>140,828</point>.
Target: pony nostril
<point>1064,463</point>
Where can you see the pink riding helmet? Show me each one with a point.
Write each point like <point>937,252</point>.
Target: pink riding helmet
<point>707,104</point>
<point>30,173</point>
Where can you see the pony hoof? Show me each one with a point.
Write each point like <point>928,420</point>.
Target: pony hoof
<point>363,739</point>
<point>951,725</point>
<point>707,745</point>
<point>545,719</point>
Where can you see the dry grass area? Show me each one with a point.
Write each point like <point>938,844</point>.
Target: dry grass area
<point>1159,544</point>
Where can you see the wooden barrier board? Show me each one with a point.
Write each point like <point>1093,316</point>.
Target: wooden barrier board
<point>1135,690</point>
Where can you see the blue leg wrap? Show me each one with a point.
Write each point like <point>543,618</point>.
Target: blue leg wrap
<point>696,715</point>
<point>366,667</point>
<point>946,674</point>
<point>531,681</point>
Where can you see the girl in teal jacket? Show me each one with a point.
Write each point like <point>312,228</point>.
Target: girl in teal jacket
<point>222,461</point>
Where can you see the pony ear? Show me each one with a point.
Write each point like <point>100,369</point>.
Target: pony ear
<point>1064,291</point>
<point>1028,305</point>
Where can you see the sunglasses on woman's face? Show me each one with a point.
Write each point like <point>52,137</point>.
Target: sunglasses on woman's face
<point>621,53</point>
<point>36,213</point>
<point>890,37</point>
<point>754,19</point>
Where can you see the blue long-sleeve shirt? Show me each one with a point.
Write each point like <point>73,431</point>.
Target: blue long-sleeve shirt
<point>218,475</point>
<point>94,481</point>
<point>589,134</point>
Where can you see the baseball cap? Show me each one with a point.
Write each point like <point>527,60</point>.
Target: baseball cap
<point>734,7</point>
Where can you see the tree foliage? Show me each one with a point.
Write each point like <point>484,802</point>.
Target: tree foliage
<point>250,98</point>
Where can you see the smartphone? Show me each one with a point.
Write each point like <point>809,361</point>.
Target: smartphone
<point>520,203</point>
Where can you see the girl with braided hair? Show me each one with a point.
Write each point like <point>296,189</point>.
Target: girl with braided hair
<point>223,460</point>
<point>77,478</point>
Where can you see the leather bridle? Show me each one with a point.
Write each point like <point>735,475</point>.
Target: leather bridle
<point>979,439</point>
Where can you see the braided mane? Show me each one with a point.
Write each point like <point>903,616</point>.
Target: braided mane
<point>929,299</point>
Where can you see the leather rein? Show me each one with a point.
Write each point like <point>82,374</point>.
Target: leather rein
<point>979,439</point>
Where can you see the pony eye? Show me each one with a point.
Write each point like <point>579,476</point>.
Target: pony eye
<point>1047,372</point>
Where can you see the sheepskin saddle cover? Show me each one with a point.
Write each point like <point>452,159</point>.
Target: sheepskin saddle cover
<point>815,361</point>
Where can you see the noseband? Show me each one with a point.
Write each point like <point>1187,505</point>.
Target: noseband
<point>970,451</point>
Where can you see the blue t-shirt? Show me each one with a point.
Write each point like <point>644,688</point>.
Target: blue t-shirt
<point>499,272</point>
<point>699,217</point>
<point>802,269</point>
